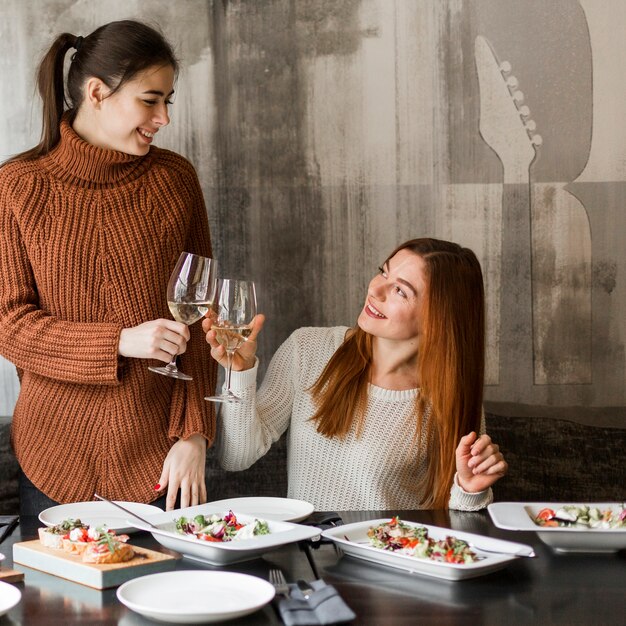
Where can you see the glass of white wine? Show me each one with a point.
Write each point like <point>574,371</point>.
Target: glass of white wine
<point>235,310</point>
<point>190,294</point>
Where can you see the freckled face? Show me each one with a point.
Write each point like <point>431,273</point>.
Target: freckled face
<point>128,119</point>
<point>393,306</point>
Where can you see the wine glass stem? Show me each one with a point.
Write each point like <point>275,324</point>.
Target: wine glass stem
<point>172,364</point>
<point>229,368</point>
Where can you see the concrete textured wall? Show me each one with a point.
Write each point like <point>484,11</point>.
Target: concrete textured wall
<point>326,132</point>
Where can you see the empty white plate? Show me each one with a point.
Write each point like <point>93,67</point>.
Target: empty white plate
<point>9,597</point>
<point>98,513</point>
<point>192,596</point>
<point>277,509</point>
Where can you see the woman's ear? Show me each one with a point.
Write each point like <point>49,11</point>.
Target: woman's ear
<point>95,91</point>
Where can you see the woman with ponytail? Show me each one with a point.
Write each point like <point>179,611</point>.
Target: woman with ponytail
<point>388,414</point>
<point>93,220</point>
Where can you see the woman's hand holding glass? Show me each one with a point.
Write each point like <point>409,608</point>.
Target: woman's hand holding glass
<point>159,339</point>
<point>235,309</point>
<point>190,293</point>
<point>244,357</point>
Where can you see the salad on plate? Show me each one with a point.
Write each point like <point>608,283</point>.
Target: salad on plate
<point>396,536</point>
<point>572,516</point>
<point>220,529</point>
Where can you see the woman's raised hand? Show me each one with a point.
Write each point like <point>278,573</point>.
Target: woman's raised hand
<point>244,357</point>
<point>157,339</point>
<point>479,463</point>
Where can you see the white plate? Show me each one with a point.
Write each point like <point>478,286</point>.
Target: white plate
<point>519,516</point>
<point>353,540</point>
<point>98,513</point>
<point>281,533</point>
<point>278,509</point>
<point>192,597</point>
<point>9,597</point>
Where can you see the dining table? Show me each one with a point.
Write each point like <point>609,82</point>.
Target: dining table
<point>551,588</point>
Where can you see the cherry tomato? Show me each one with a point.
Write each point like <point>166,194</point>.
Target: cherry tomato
<point>546,514</point>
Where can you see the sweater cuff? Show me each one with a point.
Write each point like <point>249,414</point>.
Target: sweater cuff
<point>243,381</point>
<point>462,500</point>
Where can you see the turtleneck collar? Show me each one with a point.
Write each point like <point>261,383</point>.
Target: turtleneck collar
<point>76,161</point>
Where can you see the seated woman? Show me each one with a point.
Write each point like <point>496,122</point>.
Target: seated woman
<point>385,415</point>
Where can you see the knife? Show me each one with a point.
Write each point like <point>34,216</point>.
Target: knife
<point>127,511</point>
<point>501,546</point>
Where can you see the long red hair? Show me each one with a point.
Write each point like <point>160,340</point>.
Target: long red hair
<point>451,363</point>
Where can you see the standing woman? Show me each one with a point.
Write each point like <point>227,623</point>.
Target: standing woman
<point>93,220</point>
<point>384,415</point>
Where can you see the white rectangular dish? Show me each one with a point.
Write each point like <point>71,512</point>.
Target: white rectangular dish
<point>352,540</point>
<point>216,553</point>
<point>519,516</point>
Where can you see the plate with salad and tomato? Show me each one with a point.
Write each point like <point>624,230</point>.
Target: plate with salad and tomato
<point>424,549</point>
<point>199,533</point>
<point>566,526</point>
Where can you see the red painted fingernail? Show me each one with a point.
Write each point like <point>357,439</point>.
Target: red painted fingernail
<point>157,487</point>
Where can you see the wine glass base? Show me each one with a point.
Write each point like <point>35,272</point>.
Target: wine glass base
<point>166,370</point>
<point>228,398</point>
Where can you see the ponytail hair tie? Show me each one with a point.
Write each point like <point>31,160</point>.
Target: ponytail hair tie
<point>78,42</point>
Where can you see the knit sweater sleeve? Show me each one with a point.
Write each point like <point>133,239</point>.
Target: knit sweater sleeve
<point>32,339</point>
<point>247,430</point>
<point>198,415</point>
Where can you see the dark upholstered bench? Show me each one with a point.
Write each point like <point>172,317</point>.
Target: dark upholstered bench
<point>557,460</point>
<point>267,477</point>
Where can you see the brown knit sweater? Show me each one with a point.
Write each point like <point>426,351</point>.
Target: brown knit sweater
<point>88,238</point>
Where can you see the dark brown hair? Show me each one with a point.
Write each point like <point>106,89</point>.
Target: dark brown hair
<point>451,364</point>
<point>114,53</point>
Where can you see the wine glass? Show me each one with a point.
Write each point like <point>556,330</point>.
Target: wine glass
<point>190,294</point>
<point>235,310</point>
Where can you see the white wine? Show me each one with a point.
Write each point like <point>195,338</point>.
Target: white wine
<point>231,337</point>
<point>188,312</point>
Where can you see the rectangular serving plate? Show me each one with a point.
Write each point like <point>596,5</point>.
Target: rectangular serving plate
<point>519,516</point>
<point>281,533</point>
<point>352,540</point>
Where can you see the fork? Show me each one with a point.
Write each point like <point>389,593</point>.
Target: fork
<point>277,578</point>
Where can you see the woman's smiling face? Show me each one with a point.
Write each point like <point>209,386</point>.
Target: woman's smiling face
<point>129,118</point>
<point>395,297</point>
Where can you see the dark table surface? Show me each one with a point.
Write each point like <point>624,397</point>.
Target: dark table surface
<point>551,589</point>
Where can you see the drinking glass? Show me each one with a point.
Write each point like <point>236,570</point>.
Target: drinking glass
<point>190,294</point>
<point>235,309</point>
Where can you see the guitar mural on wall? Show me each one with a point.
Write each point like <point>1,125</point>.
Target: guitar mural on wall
<point>545,304</point>
<point>505,126</point>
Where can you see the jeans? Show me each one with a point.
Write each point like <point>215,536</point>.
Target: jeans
<point>32,501</point>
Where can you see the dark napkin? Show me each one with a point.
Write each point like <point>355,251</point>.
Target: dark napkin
<point>324,606</point>
<point>7,524</point>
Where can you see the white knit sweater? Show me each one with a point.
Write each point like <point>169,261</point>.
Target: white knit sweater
<point>376,471</point>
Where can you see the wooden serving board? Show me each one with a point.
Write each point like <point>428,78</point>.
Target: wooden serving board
<point>71,567</point>
<point>10,575</point>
